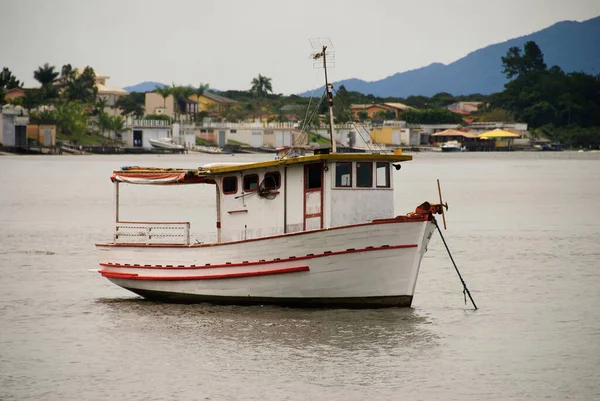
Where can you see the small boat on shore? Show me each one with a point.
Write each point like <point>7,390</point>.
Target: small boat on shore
<point>165,143</point>
<point>451,146</point>
<point>213,150</point>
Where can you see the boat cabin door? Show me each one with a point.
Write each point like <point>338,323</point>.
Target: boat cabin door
<point>313,196</point>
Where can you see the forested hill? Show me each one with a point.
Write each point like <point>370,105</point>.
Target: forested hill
<point>573,46</point>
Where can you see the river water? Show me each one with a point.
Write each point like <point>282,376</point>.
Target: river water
<point>524,229</point>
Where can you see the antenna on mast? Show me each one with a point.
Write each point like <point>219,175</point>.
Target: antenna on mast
<point>323,55</point>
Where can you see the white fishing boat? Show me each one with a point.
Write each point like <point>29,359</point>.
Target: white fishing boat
<point>165,143</point>
<point>309,230</point>
<point>451,146</point>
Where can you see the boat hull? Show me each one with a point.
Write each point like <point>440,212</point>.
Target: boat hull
<point>365,265</point>
<point>348,302</point>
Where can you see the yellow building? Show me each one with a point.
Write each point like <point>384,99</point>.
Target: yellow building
<point>43,133</point>
<point>211,102</point>
<point>393,135</point>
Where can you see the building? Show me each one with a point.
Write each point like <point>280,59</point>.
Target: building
<point>13,127</point>
<point>139,132</point>
<point>42,132</point>
<point>211,102</point>
<point>110,95</point>
<point>156,104</point>
<point>373,109</point>
<point>464,107</point>
<point>12,94</point>
<point>394,135</point>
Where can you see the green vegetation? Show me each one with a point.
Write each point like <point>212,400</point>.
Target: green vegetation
<point>204,142</point>
<point>564,107</point>
<point>236,143</point>
<point>314,138</point>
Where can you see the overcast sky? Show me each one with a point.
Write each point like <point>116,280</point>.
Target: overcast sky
<point>226,43</point>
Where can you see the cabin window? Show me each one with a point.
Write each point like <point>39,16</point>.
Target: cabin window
<point>343,174</point>
<point>250,182</point>
<point>313,175</point>
<point>230,185</point>
<point>382,175</point>
<point>272,180</point>
<point>364,174</point>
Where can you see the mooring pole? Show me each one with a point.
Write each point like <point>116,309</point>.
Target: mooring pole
<point>116,201</point>
<point>465,289</point>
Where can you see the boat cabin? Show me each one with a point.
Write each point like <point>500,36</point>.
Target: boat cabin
<point>276,197</point>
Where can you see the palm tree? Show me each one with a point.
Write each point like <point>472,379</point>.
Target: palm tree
<point>201,89</point>
<point>261,86</point>
<point>100,105</point>
<point>46,75</point>
<point>181,94</point>
<point>117,125</point>
<point>103,122</point>
<point>165,91</point>
<point>31,100</point>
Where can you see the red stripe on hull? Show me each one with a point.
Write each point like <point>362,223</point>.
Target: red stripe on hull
<point>263,262</point>
<point>211,277</point>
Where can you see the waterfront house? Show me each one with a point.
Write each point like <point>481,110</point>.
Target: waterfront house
<point>43,132</point>
<point>156,104</point>
<point>373,109</point>
<point>464,107</point>
<point>12,94</point>
<point>13,127</point>
<point>212,103</point>
<point>110,95</point>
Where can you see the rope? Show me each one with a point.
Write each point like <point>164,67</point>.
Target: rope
<point>465,289</point>
<point>346,108</point>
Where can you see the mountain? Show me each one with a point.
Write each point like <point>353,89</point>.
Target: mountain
<point>571,45</point>
<point>147,86</point>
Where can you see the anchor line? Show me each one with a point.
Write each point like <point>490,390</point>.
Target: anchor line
<point>465,289</point>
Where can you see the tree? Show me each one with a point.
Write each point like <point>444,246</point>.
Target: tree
<point>8,80</point>
<point>116,126</point>
<point>261,86</point>
<point>32,99</point>
<point>165,91</point>
<point>181,95</point>
<point>46,75</point>
<point>103,122</point>
<point>517,64</point>
<point>71,118</point>
<point>341,105</point>
<point>363,115</point>
<point>100,105</point>
<point>201,89</point>
<point>67,74</point>
<point>82,87</point>
<point>441,100</point>
<point>130,106</point>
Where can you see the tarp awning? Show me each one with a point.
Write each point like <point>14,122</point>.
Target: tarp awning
<point>158,176</point>
<point>453,132</point>
<point>498,133</point>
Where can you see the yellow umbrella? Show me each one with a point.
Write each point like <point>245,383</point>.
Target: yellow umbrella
<point>498,133</point>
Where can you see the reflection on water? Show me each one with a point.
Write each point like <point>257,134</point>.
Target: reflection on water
<point>399,331</point>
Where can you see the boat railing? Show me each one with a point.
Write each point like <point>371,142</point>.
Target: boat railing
<point>127,232</point>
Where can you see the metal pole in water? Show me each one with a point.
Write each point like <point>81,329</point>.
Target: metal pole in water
<point>465,289</point>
